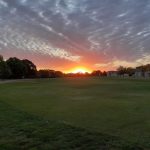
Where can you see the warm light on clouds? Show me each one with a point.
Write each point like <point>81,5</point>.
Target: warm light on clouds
<point>145,59</point>
<point>62,34</point>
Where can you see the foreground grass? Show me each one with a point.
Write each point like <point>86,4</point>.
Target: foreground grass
<point>117,107</point>
<point>22,131</point>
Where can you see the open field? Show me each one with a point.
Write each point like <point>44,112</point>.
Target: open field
<point>75,113</point>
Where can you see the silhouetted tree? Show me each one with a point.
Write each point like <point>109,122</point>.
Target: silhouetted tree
<point>144,68</point>
<point>130,71</point>
<point>104,74</point>
<point>96,73</point>
<point>30,69</point>
<point>58,74</point>
<point>17,67</point>
<point>121,70</point>
<point>5,71</point>
<point>43,73</point>
<point>1,58</point>
<point>46,73</point>
<point>52,74</point>
<point>147,67</point>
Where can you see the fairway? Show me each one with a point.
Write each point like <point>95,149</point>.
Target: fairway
<point>116,107</point>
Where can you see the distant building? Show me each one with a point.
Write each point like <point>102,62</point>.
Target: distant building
<point>139,74</point>
<point>147,74</point>
<point>112,74</point>
<point>126,75</point>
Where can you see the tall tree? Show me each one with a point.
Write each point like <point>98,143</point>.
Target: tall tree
<point>17,67</point>
<point>5,71</point>
<point>30,69</point>
<point>1,58</point>
<point>130,71</point>
<point>96,73</point>
<point>58,74</point>
<point>121,70</point>
<point>44,73</point>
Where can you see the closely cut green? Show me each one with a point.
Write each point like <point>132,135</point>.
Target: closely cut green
<point>115,107</point>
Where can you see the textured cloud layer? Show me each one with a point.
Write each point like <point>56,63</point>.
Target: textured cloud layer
<point>102,34</point>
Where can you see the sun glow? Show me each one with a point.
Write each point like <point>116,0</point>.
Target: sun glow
<point>79,70</point>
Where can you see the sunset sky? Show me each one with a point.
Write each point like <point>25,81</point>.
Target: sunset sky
<point>65,34</point>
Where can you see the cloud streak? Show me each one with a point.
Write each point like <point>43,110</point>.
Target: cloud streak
<point>105,33</point>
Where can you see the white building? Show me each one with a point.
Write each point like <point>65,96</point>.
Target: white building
<point>112,74</point>
<point>126,75</point>
<point>147,74</point>
<point>139,74</point>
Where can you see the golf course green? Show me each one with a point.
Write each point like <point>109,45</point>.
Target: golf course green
<point>75,113</point>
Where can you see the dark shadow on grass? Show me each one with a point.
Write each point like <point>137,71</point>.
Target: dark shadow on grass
<point>22,131</point>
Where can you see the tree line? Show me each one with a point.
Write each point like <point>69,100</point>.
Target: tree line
<point>131,71</point>
<point>14,68</point>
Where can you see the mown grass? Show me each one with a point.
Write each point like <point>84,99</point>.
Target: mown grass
<point>22,131</point>
<point>114,107</point>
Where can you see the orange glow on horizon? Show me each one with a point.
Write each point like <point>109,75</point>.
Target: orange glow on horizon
<point>69,69</point>
<point>79,70</point>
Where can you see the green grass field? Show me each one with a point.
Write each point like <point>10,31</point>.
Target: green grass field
<point>75,113</point>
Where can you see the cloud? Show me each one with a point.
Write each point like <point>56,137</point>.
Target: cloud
<point>77,30</point>
<point>33,44</point>
<point>3,3</point>
<point>145,59</point>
